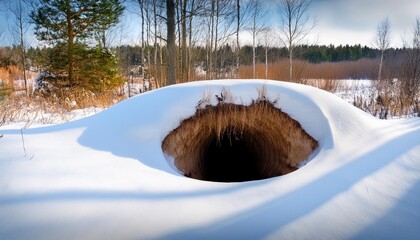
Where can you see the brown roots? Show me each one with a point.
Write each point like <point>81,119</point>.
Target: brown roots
<point>235,143</point>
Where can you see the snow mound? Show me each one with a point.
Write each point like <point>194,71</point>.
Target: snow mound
<point>106,176</point>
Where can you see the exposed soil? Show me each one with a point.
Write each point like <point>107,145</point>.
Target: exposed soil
<point>235,143</point>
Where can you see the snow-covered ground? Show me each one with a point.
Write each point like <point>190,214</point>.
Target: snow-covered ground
<point>28,117</point>
<point>105,176</point>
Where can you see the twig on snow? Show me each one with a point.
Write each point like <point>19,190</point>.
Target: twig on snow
<point>23,140</point>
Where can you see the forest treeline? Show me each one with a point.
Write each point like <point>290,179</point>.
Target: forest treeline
<point>355,62</point>
<point>131,54</point>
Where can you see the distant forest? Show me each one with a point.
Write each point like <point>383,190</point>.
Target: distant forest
<point>355,61</point>
<point>131,55</point>
<point>311,53</point>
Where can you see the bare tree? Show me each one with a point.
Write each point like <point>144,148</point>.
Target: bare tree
<point>171,55</point>
<point>225,29</point>
<point>268,40</point>
<point>2,11</point>
<point>155,44</point>
<point>141,5</point>
<point>296,25</point>
<point>151,15</point>
<point>186,10</point>
<point>183,40</point>
<point>20,11</point>
<point>416,67</point>
<point>384,86</point>
<point>193,12</point>
<point>238,25</point>
<point>1,36</point>
<point>410,74</point>
<point>257,27</point>
<point>382,42</point>
<point>148,27</point>
<point>220,21</point>
<point>211,29</point>
<point>243,18</point>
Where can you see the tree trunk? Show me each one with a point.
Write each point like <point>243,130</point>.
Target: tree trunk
<point>22,47</point>
<point>179,50</point>
<point>190,41</point>
<point>238,6</point>
<point>380,65</point>
<point>266,62</point>
<point>147,46</point>
<point>171,65</point>
<point>210,68</point>
<point>295,26</point>
<point>157,84</point>
<point>216,40</point>
<point>253,53</point>
<point>290,8</point>
<point>160,57</point>
<point>141,2</point>
<point>291,64</point>
<point>70,44</point>
<point>254,33</point>
<point>184,67</point>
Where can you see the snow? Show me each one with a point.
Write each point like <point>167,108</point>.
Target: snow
<point>35,117</point>
<point>105,176</point>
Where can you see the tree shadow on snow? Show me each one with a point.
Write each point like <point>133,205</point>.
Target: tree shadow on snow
<point>402,221</point>
<point>271,216</point>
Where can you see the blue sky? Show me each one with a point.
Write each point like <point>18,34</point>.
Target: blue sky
<point>350,21</point>
<point>338,21</point>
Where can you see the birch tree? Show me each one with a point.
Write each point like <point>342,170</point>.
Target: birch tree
<point>382,42</point>
<point>257,26</point>
<point>243,18</point>
<point>268,42</point>
<point>296,25</point>
<point>384,87</point>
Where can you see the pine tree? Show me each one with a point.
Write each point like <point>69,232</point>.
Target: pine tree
<point>70,24</point>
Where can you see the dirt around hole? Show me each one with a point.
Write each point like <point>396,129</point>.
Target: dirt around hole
<point>236,143</point>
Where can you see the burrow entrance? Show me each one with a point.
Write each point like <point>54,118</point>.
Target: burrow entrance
<point>236,143</point>
<point>230,157</point>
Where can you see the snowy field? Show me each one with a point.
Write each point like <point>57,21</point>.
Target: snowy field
<point>105,176</point>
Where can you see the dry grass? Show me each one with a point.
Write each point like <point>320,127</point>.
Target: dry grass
<point>329,85</point>
<point>361,69</point>
<point>44,107</point>
<point>278,141</point>
<point>32,109</point>
<point>84,99</point>
<point>51,109</point>
<point>9,74</point>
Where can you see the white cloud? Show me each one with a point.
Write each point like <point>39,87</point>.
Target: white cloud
<point>342,21</point>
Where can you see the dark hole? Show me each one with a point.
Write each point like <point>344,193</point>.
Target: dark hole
<point>230,159</point>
